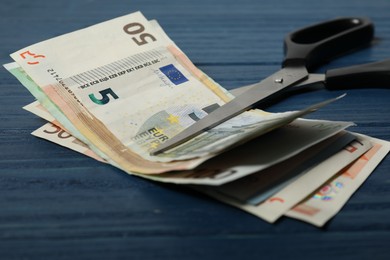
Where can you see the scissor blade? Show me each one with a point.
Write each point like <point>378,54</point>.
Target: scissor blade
<point>269,87</point>
<point>313,79</point>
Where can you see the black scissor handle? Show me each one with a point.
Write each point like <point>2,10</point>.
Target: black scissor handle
<point>319,43</point>
<point>375,74</point>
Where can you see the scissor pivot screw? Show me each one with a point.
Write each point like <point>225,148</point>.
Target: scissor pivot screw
<point>278,80</point>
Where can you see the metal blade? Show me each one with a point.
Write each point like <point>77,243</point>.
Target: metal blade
<point>313,79</point>
<point>269,87</point>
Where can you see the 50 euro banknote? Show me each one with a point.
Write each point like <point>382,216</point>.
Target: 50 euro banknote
<point>315,195</point>
<point>327,200</point>
<point>122,88</point>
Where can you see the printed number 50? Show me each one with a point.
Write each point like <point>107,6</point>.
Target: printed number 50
<point>137,28</point>
<point>105,98</point>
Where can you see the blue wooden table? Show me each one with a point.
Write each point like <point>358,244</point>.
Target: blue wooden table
<point>57,204</point>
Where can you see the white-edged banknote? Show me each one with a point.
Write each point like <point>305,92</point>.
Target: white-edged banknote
<point>131,91</point>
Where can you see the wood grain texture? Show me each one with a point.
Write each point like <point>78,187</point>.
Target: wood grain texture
<point>57,204</point>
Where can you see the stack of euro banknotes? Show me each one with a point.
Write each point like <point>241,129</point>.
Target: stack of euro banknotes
<point>116,90</point>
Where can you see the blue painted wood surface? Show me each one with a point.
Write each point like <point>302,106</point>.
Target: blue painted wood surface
<point>57,204</point>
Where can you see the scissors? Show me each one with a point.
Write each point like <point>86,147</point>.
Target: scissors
<point>305,50</point>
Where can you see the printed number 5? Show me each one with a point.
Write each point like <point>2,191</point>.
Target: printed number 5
<point>105,98</point>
